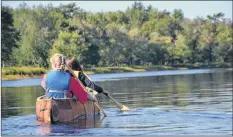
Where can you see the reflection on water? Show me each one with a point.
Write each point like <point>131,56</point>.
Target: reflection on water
<point>88,122</point>
<point>19,101</point>
<point>195,104</point>
<point>60,128</point>
<point>112,76</point>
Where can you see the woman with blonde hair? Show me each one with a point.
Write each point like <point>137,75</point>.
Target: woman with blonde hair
<point>59,84</point>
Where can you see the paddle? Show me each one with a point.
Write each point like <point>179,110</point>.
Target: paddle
<point>121,107</point>
<point>97,105</point>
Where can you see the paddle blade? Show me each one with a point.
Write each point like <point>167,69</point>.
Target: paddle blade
<point>124,108</point>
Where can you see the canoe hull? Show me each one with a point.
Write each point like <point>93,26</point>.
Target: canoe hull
<point>63,110</point>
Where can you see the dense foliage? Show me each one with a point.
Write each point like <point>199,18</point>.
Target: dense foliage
<point>9,35</point>
<point>138,36</point>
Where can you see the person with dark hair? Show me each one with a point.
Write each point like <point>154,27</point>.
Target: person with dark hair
<point>74,64</point>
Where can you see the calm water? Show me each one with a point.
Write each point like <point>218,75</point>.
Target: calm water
<point>184,102</point>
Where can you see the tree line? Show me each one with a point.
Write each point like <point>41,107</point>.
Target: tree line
<point>137,36</point>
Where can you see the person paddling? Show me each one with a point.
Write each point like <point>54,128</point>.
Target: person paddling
<point>60,84</point>
<point>75,67</point>
<point>73,63</point>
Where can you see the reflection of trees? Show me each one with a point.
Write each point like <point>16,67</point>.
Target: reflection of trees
<point>134,92</point>
<point>174,91</point>
<point>6,103</point>
<point>184,89</point>
<point>148,91</point>
<point>19,101</point>
<point>196,80</point>
<point>179,90</point>
<point>212,85</point>
<point>206,87</point>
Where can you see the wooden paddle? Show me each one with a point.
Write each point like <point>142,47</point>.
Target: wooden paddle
<point>120,106</point>
<point>97,105</point>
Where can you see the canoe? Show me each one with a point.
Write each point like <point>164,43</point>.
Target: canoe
<point>63,110</point>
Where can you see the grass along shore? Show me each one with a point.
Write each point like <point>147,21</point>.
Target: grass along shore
<point>13,73</point>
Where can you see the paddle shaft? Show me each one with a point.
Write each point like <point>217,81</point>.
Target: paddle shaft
<point>105,115</point>
<point>97,105</point>
<point>115,101</point>
<point>118,103</point>
<point>121,107</point>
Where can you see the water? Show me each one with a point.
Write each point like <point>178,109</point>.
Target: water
<point>186,102</point>
<point>112,76</point>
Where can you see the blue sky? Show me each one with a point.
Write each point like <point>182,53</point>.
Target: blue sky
<point>191,9</point>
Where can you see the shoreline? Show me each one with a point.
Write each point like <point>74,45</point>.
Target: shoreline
<point>103,70</point>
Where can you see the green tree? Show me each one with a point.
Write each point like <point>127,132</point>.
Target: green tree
<point>193,34</point>
<point>68,43</point>
<point>138,36</point>
<point>10,35</point>
<point>210,33</point>
<point>136,14</point>
<point>224,37</point>
<point>180,51</point>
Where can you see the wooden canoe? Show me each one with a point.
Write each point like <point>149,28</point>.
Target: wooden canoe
<point>63,110</point>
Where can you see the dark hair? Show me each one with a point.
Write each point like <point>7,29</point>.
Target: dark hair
<point>73,63</point>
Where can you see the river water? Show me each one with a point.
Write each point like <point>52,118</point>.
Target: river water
<point>177,102</point>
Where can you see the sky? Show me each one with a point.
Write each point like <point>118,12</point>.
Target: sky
<point>191,9</point>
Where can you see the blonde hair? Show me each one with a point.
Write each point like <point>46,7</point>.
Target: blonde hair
<point>58,59</point>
